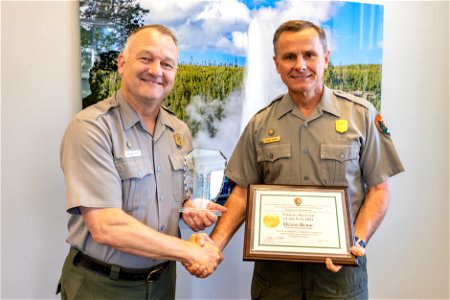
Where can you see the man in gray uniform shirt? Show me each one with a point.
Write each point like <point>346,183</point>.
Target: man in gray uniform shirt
<point>123,165</point>
<point>312,136</point>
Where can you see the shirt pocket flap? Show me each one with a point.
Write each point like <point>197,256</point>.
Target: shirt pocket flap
<point>134,168</point>
<point>177,161</point>
<point>339,151</point>
<point>273,152</point>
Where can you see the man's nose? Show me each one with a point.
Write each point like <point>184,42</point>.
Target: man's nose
<point>154,68</point>
<point>300,64</point>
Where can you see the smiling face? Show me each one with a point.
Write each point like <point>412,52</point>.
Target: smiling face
<point>301,61</point>
<point>148,67</point>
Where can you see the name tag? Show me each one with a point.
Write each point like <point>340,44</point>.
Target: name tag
<point>271,140</point>
<point>133,153</point>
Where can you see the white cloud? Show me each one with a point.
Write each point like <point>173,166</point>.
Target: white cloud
<point>240,40</point>
<point>222,25</point>
<point>225,12</point>
<point>170,12</point>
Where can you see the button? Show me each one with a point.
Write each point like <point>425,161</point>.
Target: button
<point>305,124</point>
<point>128,144</point>
<point>271,155</point>
<point>342,155</point>
<point>158,168</point>
<point>306,177</point>
<point>162,228</point>
<point>161,198</point>
<point>305,151</point>
<point>140,173</point>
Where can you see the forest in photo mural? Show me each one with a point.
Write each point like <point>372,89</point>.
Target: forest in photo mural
<point>214,67</point>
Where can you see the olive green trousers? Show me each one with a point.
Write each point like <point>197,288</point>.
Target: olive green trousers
<point>77,282</point>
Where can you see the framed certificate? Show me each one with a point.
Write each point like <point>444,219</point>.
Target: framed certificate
<point>298,223</point>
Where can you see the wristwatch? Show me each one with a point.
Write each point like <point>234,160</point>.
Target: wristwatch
<point>360,242</point>
<point>184,202</point>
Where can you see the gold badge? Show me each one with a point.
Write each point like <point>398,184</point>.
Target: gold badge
<point>271,220</point>
<point>270,131</point>
<point>178,140</point>
<point>341,126</point>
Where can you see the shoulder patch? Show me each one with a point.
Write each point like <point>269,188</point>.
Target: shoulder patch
<point>353,98</point>
<point>381,126</point>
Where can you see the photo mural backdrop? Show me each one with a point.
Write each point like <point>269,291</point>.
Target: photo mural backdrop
<point>226,72</point>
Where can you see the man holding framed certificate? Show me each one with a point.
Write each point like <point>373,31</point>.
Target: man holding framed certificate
<point>312,173</point>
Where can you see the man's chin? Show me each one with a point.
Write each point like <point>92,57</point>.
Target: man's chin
<point>300,88</point>
<point>153,93</point>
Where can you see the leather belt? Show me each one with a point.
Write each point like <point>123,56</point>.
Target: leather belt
<point>105,269</point>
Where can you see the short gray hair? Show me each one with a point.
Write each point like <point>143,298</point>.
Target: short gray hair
<point>158,27</point>
<point>299,25</point>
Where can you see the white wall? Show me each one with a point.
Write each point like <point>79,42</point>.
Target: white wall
<point>40,93</point>
<point>409,255</point>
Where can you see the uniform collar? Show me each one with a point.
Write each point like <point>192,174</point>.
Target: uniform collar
<point>164,120</point>
<point>328,103</point>
<point>130,117</point>
<point>286,106</point>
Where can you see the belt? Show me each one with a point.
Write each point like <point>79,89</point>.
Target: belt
<point>104,269</point>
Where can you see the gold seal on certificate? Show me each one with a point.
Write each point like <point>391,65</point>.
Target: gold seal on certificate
<point>271,220</point>
<point>298,223</point>
<point>204,171</point>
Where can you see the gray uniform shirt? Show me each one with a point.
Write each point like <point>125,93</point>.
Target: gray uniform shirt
<point>110,160</point>
<point>280,146</point>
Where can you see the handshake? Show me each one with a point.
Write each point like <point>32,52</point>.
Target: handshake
<point>204,255</point>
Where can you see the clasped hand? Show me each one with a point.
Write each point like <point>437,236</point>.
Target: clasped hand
<point>356,250</point>
<point>207,256</point>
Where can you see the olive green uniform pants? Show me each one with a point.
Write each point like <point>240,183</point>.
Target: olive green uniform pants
<point>78,282</point>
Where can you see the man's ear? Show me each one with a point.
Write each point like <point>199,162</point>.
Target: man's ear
<point>276,63</point>
<point>327,58</point>
<point>121,63</point>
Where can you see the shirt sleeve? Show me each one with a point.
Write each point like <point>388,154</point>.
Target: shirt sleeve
<point>379,159</point>
<point>243,167</point>
<point>87,162</point>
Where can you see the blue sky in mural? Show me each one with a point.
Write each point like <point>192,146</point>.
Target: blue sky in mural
<point>256,4</point>
<point>358,28</point>
<point>215,31</point>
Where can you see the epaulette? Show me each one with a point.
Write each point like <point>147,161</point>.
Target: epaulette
<point>105,105</point>
<point>278,98</point>
<point>168,110</point>
<point>353,98</point>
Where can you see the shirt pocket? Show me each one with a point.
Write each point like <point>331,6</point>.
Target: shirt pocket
<point>137,187</point>
<point>275,162</point>
<point>177,162</point>
<point>339,162</point>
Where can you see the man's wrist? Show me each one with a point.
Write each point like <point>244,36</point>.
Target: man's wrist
<point>360,241</point>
